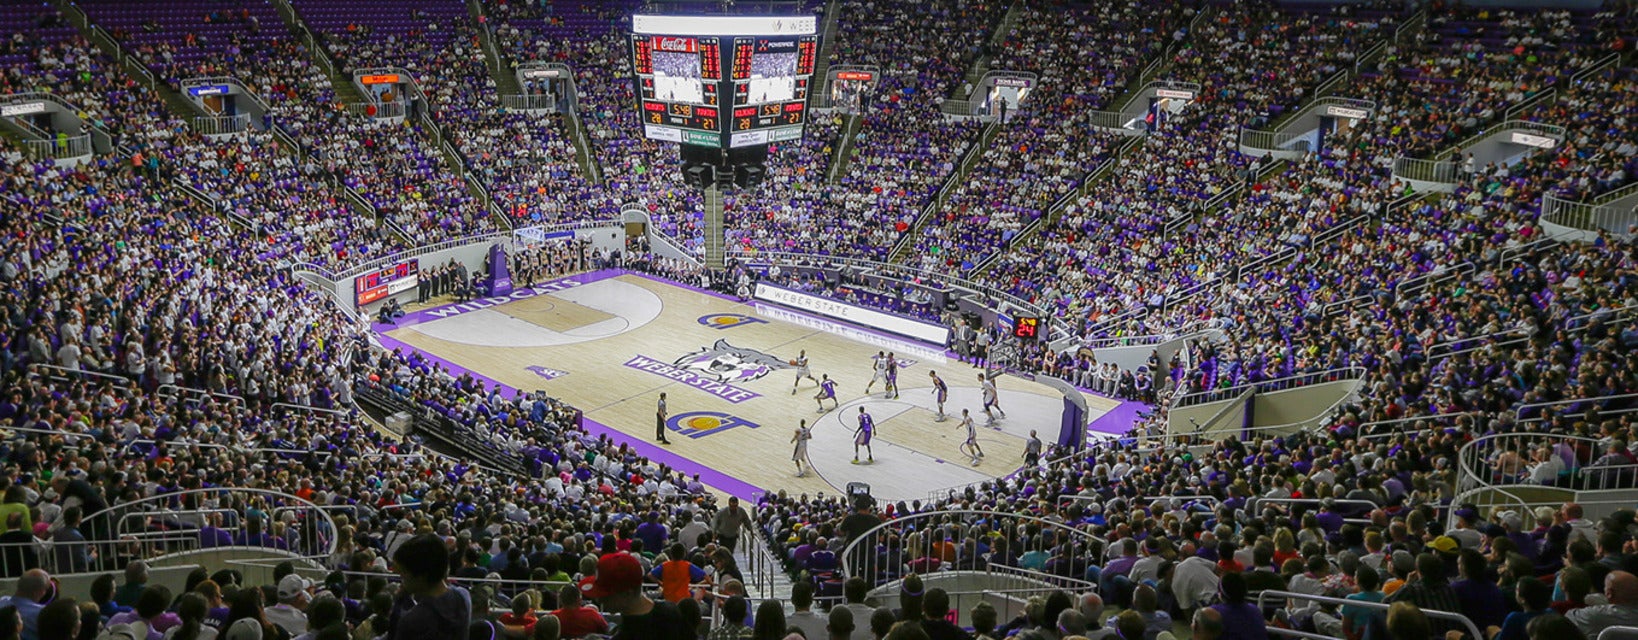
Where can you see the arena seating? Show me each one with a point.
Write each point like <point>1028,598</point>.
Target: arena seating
<point>159,359</point>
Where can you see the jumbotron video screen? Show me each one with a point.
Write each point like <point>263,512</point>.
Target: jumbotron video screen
<point>684,96</point>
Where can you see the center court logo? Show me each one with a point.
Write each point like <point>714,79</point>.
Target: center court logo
<point>720,321</point>
<point>697,424</point>
<point>730,364</point>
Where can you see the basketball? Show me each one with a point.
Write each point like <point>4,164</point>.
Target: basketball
<point>793,363</point>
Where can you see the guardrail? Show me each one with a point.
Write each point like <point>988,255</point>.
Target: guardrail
<point>393,109</point>
<point>1264,603</point>
<point>1504,459</point>
<point>60,148</point>
<point>1441,172</point>
<point>220,125</point>
<point>1267,386</point>
<point>897,270</point>
<point>1593,216</point>
<point>923,546</point>
<point>244,90</point>
<point>1539,408</point>
<point>529,102</point>
<point>1510,124</point>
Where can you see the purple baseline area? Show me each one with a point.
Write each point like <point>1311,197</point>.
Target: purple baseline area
<point>711,477</point>
<point>1119,420</point>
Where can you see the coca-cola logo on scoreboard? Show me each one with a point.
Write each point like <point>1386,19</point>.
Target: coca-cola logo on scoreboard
<point>680,45</point>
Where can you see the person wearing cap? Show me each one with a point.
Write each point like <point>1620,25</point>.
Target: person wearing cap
<point>291,611</point>
<point>1466,532</point>
<point>619,586</point>
<point>427,607</point>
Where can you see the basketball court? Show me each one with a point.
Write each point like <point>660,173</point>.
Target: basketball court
<point>609,342</point>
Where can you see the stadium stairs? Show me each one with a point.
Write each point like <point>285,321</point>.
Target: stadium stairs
<point>964,164</point>
<point>981,63</point>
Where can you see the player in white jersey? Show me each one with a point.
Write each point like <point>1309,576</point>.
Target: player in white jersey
<point>880,365</point>
<point>970,448</point>
<point>992,399</point>
<point>801,363</point>
<point>803,434</point>
<point>941,392</point>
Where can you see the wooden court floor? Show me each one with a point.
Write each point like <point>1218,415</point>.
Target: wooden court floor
<point>611,344</point>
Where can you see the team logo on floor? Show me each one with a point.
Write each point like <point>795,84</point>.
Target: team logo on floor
<point>546,372</point>
<point>724,362</point>
<point>696,424</point>
<point>720,321</point>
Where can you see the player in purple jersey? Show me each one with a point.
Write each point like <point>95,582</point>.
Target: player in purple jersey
<point>892,388</point>
<point>941,392</point>
<point>827,391</point>
<point>867,426</point>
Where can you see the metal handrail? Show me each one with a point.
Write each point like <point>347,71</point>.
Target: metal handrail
<point>244,89</point>
<point>1518,411</point>
<point>1510,124</point>
<point>1366,427</point>
<point>1263,603</point>
<point>898,270</point>
<point>1277,384</point>
<point>71,373</point>
<point>1417,169</point>
<point>1593,216</point>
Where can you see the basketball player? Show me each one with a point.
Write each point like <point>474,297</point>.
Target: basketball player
<point>861,436</point>
<point>941,392</point>
<point>801,371</point>
<point>880,365</point>
<point>827,391</point>
<point>970,448</point>
<point>891,389</point>
<point>801,437</point>
<point>991,398</point>
<point>659,420</point>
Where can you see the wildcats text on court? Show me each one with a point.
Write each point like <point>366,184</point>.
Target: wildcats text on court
<point>722,390</point>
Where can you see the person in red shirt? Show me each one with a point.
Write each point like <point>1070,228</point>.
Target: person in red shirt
<point>521,619</point>
<point>575,618</point>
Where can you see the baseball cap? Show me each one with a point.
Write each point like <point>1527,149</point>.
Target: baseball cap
<point>292,585</point>
<point>1444,544</point>
<point>244,629</point>
<point>616,572</point>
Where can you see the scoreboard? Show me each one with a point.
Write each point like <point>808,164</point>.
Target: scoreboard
<point>683,94</point>
<point>386,281</point>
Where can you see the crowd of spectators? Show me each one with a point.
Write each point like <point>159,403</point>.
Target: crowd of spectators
<point>120,294</point>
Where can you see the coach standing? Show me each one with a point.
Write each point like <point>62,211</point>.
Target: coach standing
<point>659,420</point>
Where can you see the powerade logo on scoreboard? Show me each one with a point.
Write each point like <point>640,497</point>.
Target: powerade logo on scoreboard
<point>679,45</point>
<point>764,45</point>
<point>209,90</point>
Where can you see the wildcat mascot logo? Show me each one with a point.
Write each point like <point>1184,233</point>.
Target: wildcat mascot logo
<point>727,363</point>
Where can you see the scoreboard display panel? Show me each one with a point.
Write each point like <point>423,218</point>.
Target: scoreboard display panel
<point>683,94</point>
<point>386,281</point>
